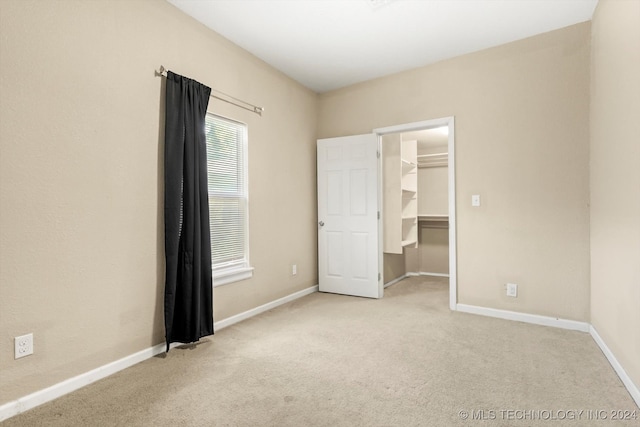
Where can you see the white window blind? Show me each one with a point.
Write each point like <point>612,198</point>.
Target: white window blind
<point>227,180</point>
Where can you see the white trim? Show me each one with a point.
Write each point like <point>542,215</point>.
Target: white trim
<point>451,163</point>
<point>48,394</point>
<point>32,400</point>
<point>245,271</point>
<point>633,389</point>
<point>453,239</point>
<point>535,319</point>
<point>426,273</point>
<point>394,281</point>
<point>413,274</point>
<point>224,277</point>
<point>265,307</point>
<point>381,284</point>
<point>409,127</point>
<point>555,322</point>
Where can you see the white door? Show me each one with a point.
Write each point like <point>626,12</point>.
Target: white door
<point>348,216</point>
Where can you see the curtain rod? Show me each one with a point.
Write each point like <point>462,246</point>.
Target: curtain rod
<point>233,100</point>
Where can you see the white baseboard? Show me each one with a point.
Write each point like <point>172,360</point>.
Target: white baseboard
<point>633,389</point>
<point>426,273</point>
<point>265,307</point>
<point>414,274</point>
<point>524,317</point>
<point>32,400</point>
<point>394,281</point>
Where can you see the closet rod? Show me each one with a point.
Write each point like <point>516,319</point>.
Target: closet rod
<point>434,226</point>
<point>234,101</point>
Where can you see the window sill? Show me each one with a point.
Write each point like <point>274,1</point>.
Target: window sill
<point>225,277</point>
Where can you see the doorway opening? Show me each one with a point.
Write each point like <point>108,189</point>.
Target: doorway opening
<point>419,155</point>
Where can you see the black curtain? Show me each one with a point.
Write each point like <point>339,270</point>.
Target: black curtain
<point>188,308</point>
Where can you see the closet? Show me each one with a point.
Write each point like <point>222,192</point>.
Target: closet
<point>416,220</point>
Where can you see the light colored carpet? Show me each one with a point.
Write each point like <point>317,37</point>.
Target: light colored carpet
<point>330,360</point>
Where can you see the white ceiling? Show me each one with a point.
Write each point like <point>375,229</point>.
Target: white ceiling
<point>328,44</point>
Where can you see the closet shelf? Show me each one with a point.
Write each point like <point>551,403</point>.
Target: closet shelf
<point>400,177</point>
<point>433,165</point>
<point>434,160</point>
<point>423,156</point>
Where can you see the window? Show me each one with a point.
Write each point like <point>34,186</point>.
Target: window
<point>228,199</point>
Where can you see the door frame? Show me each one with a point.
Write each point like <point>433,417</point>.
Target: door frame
<point>422,125</point>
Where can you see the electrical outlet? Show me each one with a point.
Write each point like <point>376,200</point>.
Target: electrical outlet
<point>23,345</point>
<point>512,290</point>
<point>294,269</point>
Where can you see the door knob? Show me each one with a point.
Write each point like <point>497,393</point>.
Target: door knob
<point>321,223</point>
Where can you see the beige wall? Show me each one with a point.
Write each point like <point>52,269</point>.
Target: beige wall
<point>433,191</point>
<point>434,247</point>
<point>392,207</point>
<point>522,132</point>
<point>81,241</point>
<point>394,266</point>
<point>615,180</point>
<point>81,244</point>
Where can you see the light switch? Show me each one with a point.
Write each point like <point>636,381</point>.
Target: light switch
<point>475,200</point>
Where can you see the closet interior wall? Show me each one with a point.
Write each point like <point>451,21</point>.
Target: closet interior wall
<point>431,256</point>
